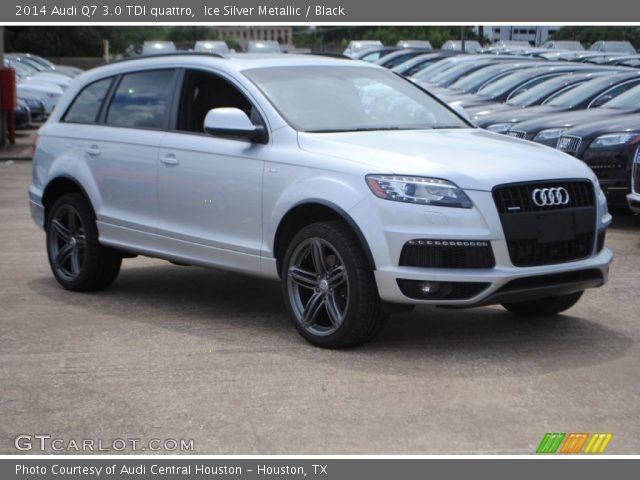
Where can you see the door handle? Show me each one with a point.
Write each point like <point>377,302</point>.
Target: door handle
<point>93,150</point>
<point>169,159</point>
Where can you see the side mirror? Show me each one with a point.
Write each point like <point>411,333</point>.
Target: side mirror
<point>459,109</point>
<point>232,122</point>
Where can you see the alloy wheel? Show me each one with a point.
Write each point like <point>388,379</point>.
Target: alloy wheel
<point>318,286</point>
<point>67,242</point>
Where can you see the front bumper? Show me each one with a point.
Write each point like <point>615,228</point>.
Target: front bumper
<point>612,166</point>
<point>403,222</point>
<point>496,278</point>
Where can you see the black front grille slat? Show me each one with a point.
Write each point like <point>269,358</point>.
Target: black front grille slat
<point>517,133</point>
<point>529,253</point>
<point>515,206</point>
<point>447,254</point>
<point>569,144</point>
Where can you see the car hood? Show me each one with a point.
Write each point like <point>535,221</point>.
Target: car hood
<point>473,101</point>
<point>472,158</point>
<point>568,119</point>
<point>618,124</point>
<point>509,115</point>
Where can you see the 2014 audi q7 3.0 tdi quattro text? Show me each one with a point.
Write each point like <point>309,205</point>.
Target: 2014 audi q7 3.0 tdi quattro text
<point>364,194</point>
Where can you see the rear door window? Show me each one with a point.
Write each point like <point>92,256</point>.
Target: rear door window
<point>142,100</point>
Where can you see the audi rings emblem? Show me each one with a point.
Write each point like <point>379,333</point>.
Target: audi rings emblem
<point>549,197</point>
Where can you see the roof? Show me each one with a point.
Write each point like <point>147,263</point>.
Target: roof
<point>237,61</point>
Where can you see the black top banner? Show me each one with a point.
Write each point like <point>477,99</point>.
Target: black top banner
<point>313,12</point>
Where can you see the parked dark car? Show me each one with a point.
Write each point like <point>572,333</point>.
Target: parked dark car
<point>501,90</point>
<point>546,129</point>
<point>374,54</point>
<point>394,59</point>
<point>414,65</point>
<point>486,115</point>
<point>608,147</point>
<point>22,115</point>
<point>37,109</point>
<point>472,82</point>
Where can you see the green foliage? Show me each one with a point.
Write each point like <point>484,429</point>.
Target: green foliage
<point>233,43</point>
<point>588,35</point>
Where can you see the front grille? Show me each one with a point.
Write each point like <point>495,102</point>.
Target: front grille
<point>446,291</point>
<point>517,198</point>
<point>601,239</point>
<point>530,252</point>
<point>607,168</point>
<point>543,235</point>
<point>447,254</point>
<point>569,144</point>
<point>635,184</point>
<point>516,133</point>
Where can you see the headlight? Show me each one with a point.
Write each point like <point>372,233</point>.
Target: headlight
<point>613,139</point>
<point>549,134</point>
<point>499,127</point>
<point>419,190</point>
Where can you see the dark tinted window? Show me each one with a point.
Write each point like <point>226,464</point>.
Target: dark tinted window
<point>86,105</point>
<point>142,100</point>
<point>203,91</point>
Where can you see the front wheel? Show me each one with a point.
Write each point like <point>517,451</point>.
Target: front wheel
<point>329,288</point>
<point>544,306</point>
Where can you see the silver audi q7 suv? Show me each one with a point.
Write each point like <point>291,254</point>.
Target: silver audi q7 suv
<point>361,192</point>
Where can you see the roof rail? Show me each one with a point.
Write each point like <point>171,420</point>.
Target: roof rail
<point>168,54</point>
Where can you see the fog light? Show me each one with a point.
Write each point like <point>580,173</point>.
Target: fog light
<point>429,288</point>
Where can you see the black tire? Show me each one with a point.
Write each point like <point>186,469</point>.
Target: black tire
<point>350,292</point>
<point>89,266</point>
<point>544,306</point>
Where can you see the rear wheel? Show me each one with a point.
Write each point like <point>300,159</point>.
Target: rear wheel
<point>77,259</point>
<point>544,306</point>
<point>329,288</point>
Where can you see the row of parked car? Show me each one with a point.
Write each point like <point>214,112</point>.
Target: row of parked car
<point>40,84</point>
<point>590,110</point>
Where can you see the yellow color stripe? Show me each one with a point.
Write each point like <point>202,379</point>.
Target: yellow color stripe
<point>606,442</point>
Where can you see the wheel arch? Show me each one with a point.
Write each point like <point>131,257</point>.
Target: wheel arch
<point>306,213</point>
<point>58,186</point>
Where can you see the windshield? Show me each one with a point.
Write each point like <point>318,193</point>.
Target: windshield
<point>577,95</point>
<point>415,62</point>
<point>629,100</point>
<point>336,99</point>
<point>475,80</point>
<point>449,76</point>
<point>504,85</point>
<point>22,71</point>
<point>538,93</point>
<point>435,69</point>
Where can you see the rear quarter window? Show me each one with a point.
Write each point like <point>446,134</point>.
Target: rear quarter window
<point>86,106</point>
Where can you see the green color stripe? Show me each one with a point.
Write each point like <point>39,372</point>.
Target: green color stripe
<point>550,442</point>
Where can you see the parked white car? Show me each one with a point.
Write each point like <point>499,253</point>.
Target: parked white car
<point>425,44</point>
<point>27,72</point>
<point>157,47</point>
<point>356,47</point>
<point>211,46</point>
<point>358,190</point>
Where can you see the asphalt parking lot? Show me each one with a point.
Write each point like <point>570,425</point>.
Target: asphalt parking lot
<point>187,353</point>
